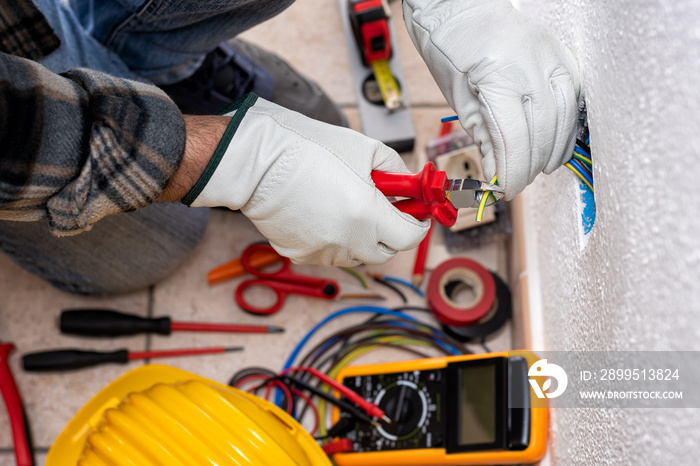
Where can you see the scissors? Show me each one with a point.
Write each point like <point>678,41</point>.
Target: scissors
<point>432,195</point>
<point>282,281</point>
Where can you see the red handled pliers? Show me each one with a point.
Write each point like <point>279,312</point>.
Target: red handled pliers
<point>431,194</point>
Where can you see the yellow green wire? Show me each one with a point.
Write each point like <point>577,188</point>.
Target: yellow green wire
<point>357,275</point>
<point>582,158</point>
<point>570,167</point>
<point>484,199</point>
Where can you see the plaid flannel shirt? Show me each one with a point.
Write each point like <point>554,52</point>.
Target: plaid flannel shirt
<point>80,145</point>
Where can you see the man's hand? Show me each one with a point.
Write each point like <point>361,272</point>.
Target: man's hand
<point>306,186</point>
<point>513,85</point>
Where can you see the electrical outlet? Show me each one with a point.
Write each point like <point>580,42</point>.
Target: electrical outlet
<point>465,162</point>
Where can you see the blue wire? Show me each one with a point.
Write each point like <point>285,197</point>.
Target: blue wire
<point>350,310</point>
<point>342,312</point>
<point>580,151</point>
<point>449,118</point>
<point>404,282</point>
<point>579,168</point>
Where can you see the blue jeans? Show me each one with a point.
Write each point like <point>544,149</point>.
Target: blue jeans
<point>160,41</point>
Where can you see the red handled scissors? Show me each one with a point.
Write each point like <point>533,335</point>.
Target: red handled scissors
<point>431,194</point>
<point>282,281</point>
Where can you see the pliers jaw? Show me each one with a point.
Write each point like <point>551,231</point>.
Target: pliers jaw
<point>467,193</point>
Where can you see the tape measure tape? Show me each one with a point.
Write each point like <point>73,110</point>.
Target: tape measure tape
<point>391,94</point>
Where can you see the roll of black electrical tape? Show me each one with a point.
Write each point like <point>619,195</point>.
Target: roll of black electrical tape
<point>496,318</point>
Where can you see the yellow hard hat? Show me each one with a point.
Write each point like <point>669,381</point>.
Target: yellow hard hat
<point>159,415</point>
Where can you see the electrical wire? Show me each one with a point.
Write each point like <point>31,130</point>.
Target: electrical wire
<point>384,328</point>
<point>401,281</point>
<point>344,362</point>
<point>350,310</point>
<point>341,404</point>
<point>310,404</point>
<point>384,333</point>
<point>369,408</point>
<point>395,289</point>
<point>582,175</point>
<point>583,169</point>
<point>583,145</point>
<point>357,275</point>
<point>582,158</point>
<point>484,199</point>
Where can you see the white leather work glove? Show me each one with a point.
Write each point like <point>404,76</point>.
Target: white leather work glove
<point>514,86</point>
<point>306,186</point>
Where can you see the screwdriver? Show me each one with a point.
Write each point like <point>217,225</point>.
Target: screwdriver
<point>105,322</point>
<point>66,359</point>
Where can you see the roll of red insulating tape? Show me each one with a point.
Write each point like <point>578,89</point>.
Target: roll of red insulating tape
<point>473,276</point>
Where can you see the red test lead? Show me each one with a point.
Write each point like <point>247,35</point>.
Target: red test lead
<point>370,408</point>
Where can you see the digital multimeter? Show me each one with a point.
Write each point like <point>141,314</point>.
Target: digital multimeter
<point>459,410</point>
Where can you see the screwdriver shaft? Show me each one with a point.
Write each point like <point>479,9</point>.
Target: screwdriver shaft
<point>232,328</point>
<point>180,352</point>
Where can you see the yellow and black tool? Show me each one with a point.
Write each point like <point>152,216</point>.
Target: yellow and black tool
<point>376,72</point>
<point>458,410</point>
<point>370,26</point>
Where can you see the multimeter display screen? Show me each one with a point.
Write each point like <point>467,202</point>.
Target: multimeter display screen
<point>477,405</point>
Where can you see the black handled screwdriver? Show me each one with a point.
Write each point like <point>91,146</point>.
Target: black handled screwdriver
<point>67,359</point>
<point>109,323</point>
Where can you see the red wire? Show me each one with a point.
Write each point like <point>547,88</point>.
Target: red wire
<point>370,408</point>
<point>311,405</point>
<point>285,389</point>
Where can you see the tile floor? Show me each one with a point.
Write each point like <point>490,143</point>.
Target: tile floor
<point>309,34</point>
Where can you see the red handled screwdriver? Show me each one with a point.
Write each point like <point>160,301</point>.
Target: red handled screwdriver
<point>108,323</point>
<point>67,359</point>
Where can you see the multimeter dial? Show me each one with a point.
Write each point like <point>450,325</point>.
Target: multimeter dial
<point>406,405</point>
<point>412,400</point>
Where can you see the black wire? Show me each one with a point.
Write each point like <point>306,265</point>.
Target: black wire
<point>248,371</point>
<point>271,376</point>
<point>341,404</point>
<point>583,146</point>
<point>392,287</point>
<point>411,308</point>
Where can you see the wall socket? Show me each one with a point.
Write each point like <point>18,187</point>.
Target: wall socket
<point>465,162</point>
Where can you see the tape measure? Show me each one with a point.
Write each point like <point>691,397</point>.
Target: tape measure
<point>456,410</point>
<point>370,25</point>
